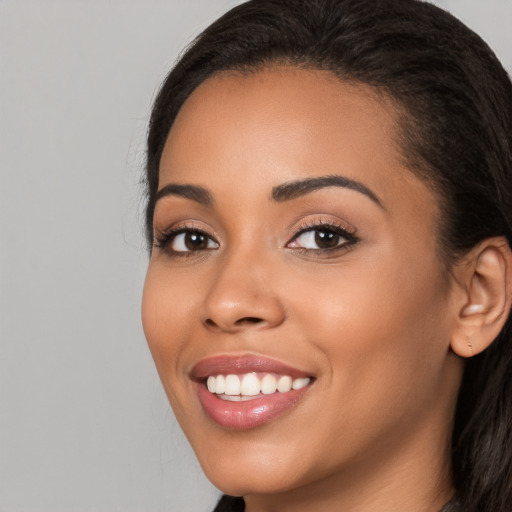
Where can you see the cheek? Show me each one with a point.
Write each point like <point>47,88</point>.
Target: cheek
<point>382,327</point>
<point>165,307</point>
<point>167,303</point>
<point>384,346</point>
<point>162,320</point>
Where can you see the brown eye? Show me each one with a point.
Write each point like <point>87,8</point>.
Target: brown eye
<point>320,239</point>
<point>326,239</point>
<point>192,241</point>
<point>195,241</point>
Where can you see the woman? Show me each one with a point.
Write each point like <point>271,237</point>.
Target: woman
<point>328,297</point>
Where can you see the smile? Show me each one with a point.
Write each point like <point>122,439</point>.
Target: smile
<point>249,391</point>
<point>251,386</point>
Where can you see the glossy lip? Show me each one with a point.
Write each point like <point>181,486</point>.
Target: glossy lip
<point>252,413</point>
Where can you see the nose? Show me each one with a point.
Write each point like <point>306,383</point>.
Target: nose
<point>242,297</point>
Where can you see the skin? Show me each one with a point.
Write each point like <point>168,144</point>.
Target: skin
<point>371,321</point>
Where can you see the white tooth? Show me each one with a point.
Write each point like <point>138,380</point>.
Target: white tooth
<point>210,384</point>
<point>220,384</point>
<point>268,384</point>
<point>250,385</point>
<point>232,385</point>
<point>236,398</point>
<point>300,383</point>
<point>284,384</point>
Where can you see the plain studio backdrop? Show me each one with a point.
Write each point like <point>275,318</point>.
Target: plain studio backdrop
<point>84,423</point>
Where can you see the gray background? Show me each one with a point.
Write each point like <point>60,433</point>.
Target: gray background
<point>84,424</point>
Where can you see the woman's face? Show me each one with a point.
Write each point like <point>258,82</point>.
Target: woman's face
<point>292,241</point>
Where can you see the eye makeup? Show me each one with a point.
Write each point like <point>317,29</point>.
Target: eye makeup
<point>183,240</point>
<point>322,237</point>
<point>319,237</point>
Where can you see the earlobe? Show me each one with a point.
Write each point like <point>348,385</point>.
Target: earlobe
<point>486,274</point>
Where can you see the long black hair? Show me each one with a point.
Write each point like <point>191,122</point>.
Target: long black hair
<point>454,103</point>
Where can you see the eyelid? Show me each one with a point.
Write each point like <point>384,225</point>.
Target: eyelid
<point>342,229</point>
<point>317,223</point>
<point>163,237</point>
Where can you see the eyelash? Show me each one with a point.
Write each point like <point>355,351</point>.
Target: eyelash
<point>325,227</point>
<point>163,240</point>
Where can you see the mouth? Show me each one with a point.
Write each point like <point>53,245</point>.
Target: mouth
<point>249,391</point>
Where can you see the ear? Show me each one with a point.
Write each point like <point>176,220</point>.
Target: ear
<point>485,276</point>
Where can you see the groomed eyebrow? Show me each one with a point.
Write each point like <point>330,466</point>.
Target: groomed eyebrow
<point>193,192</point>
<point>297,188</point>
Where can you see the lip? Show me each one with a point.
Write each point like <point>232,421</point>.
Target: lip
<point>252,413</point>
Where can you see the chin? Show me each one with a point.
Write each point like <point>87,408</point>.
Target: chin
<point>241,472</point>
<point>250,481</point>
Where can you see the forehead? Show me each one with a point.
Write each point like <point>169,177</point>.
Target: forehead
<point>285,105</point>
<point>283,123</point>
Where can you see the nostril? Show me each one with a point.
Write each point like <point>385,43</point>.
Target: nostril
<point>235,325</point>
<point>248,320</point>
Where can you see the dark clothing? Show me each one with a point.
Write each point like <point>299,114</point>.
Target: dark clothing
<point>230,504</point>
<point>235,504</point>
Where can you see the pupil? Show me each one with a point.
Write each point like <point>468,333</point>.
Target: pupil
<point>195,241</point>
<point>326,239</point>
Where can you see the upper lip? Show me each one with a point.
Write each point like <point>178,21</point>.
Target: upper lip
<point>241,364</point>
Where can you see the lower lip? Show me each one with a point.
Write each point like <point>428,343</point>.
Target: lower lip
<point>247,414</point>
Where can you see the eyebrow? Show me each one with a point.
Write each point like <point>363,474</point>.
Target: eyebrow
<point>193,192</point>
<point>298,188</point>
<point>280,193</point>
